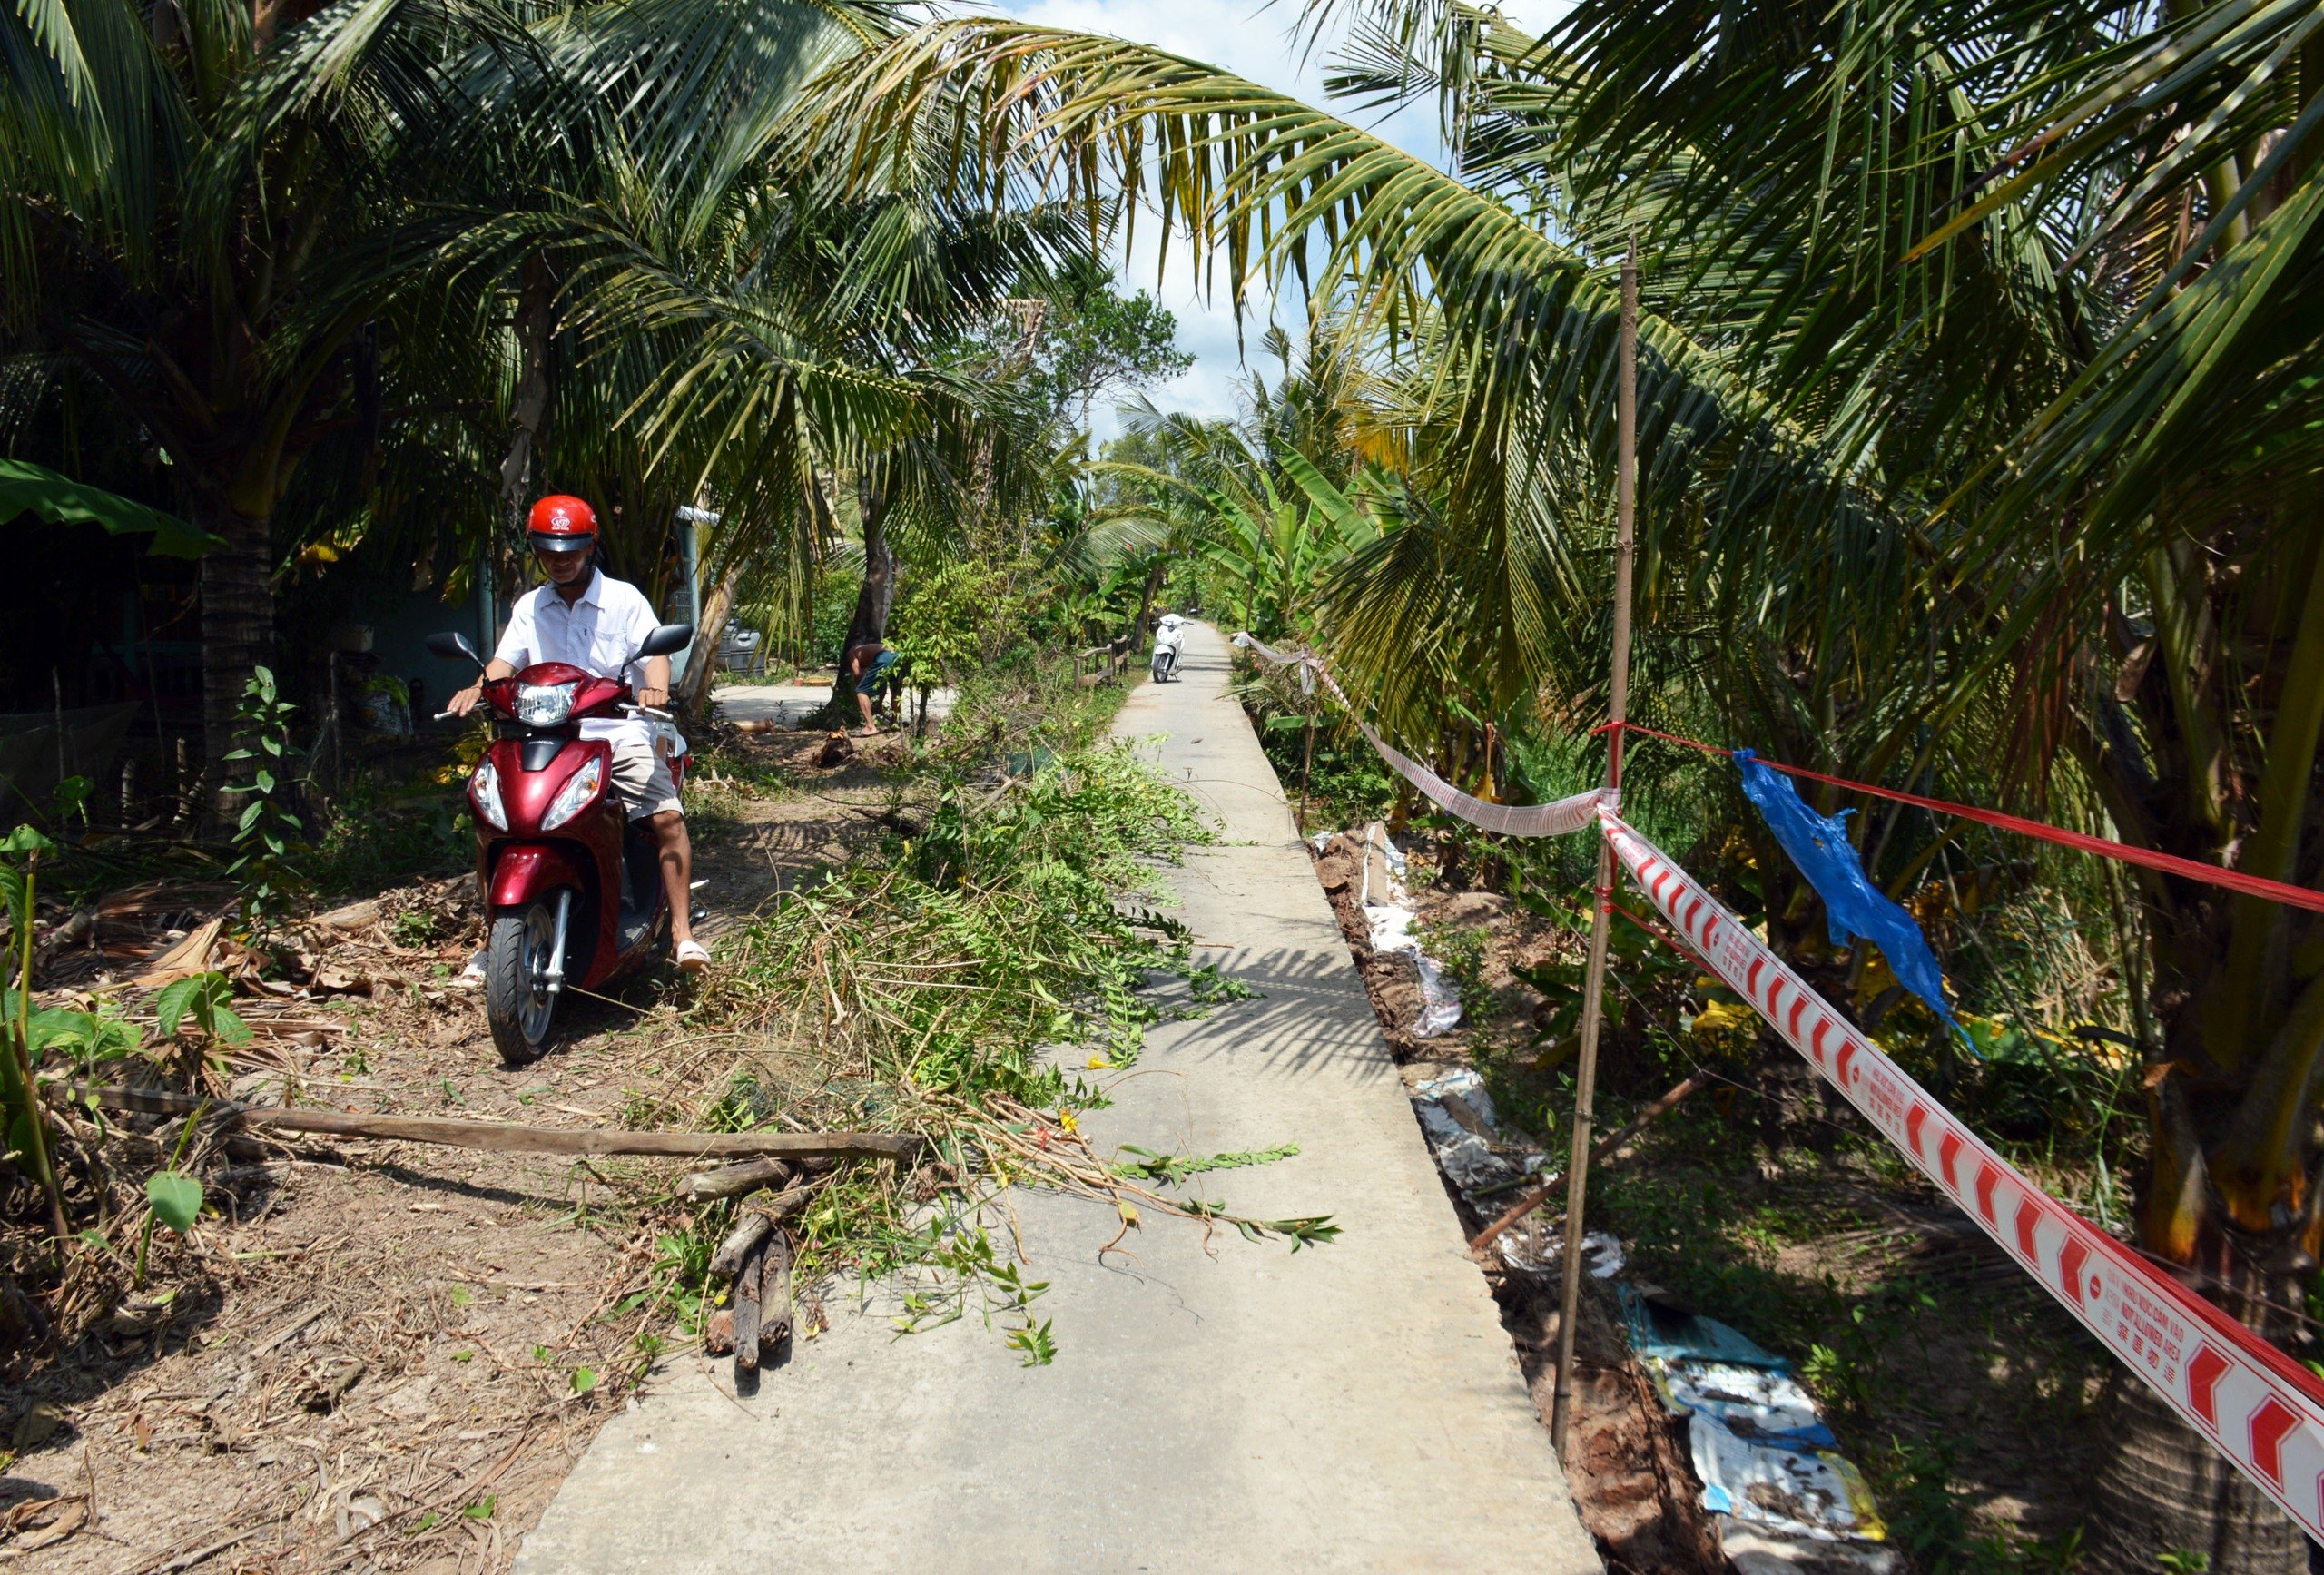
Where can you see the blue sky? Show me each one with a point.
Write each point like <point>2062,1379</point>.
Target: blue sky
<point>1252,41</point>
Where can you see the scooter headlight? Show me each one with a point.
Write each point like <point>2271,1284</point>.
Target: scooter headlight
<point>484,792</point>
<point>579,793</point>
<point>545,705</point>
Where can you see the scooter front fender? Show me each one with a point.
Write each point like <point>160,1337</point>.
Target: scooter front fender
<point>528,871</point>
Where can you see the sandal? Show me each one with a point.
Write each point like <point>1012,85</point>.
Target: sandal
<point>693,957</point>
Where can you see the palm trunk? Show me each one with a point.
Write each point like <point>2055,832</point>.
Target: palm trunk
<point>876,597</point>
<point>2162,1489</point>
<point>695,694</point>
<point>536,387</point>
<point>237,635</point>
<point>1146,606</point>
<point>2233,1087</point>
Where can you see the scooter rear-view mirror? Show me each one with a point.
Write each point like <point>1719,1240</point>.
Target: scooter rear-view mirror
<point>452,648</point>
<point>667,640</point>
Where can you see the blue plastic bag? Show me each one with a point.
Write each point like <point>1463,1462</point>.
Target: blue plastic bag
<point>1854,908</point>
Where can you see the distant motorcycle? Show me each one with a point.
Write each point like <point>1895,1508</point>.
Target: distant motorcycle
<point>1167,635</point>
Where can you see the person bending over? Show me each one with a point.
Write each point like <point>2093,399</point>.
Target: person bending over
<point>867,665</point>
<point>597,622</point>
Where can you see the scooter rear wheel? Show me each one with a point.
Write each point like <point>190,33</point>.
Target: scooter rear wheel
<point>518,1002</point>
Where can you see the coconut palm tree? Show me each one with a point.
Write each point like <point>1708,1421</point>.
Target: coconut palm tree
<point>205,233</point>
<point>1977,421</point>
<point>453,256</point>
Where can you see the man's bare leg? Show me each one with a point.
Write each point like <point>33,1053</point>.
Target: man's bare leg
<point>863,700</point>
<point>669,828</point>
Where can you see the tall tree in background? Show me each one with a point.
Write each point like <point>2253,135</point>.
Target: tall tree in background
<point>1098,342</point>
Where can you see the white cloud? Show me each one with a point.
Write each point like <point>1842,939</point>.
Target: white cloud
<point>1253,41</point>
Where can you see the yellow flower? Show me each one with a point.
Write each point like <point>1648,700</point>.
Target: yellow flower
<point>1721,1016</point>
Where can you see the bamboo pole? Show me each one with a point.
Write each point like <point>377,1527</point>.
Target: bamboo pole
<point>1308,752</point>
<point>1593,997</point>
<point>1598,1155</point>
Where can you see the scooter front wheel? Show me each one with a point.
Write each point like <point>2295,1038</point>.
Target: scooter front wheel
<point>518,1001</point>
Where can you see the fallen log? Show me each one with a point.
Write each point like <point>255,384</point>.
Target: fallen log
<point>500,1137</point>
<point>354,916</point>
<point>1542,1194</point>
<point>746,1308</point>
<point>748,1232</point>
<point>786,1204</point>
<point>737,1179</point>
<point>754,1226</point>
<point>774,1293</point>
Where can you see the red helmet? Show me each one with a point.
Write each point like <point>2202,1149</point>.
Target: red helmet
<point>562,524</point>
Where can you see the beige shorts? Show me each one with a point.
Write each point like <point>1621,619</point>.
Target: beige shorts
<point>642,781</point>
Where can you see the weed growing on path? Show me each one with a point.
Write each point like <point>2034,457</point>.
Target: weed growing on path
<point>952,983</point>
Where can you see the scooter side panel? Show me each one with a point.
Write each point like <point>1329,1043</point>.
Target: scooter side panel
<point>606,824</point>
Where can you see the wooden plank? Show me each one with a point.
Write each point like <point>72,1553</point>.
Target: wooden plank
<point>500,1137</point>
<point>735,1180</point>
<point>748,1232</point>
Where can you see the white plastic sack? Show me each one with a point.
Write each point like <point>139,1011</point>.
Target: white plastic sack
<point>1391,926</point>
<point>1765,1405</point>
<point>1806,1492</point>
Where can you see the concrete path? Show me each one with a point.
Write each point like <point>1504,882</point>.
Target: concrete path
<point>786,704</point>
<point>1237,1407</point>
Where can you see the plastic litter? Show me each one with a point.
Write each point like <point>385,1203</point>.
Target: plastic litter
<point>1765,1405</point>
<point>1463,1132</point>
<point>1461,1095</point>
<point>1853,907</point>
<point>1389,917</point>
<point>1659,1330</point>
<point>1539,1254</point>
<point>1785,1498</point>
<point>1811,1493</point>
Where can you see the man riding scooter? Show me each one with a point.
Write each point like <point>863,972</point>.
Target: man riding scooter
<point>595,622</point>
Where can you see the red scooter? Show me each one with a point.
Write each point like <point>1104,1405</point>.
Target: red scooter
<point>572,893</point>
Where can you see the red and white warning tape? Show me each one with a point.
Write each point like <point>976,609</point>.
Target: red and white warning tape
<point>1561,819</point>
<point>2263,1410</point>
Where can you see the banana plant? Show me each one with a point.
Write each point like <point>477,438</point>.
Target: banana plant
<point>29,1141</point>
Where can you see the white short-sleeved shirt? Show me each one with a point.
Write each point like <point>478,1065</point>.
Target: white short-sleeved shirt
<point>598,633</point>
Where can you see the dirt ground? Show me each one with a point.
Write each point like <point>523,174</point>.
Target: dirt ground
<point>1966,1394</point>
<point>384,1355</point>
